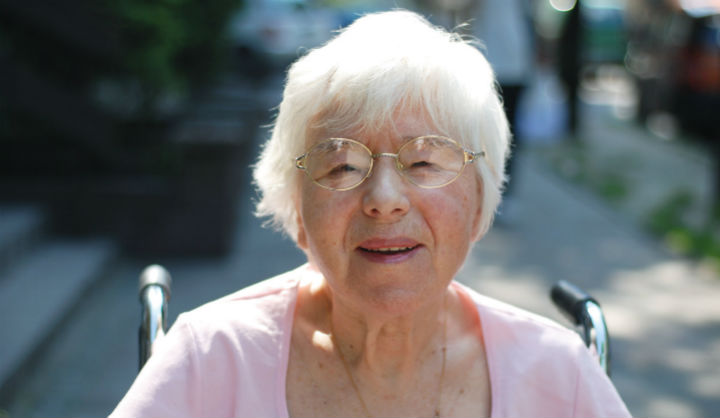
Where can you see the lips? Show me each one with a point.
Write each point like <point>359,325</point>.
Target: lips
<point>389,250</point>
<point>392,250</point>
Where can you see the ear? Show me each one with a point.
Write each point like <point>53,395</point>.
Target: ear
<point>476,226</point>
<point>301,237</point>
<point>477,233</point>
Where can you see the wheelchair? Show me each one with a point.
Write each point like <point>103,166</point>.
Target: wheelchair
<point>580,308</point>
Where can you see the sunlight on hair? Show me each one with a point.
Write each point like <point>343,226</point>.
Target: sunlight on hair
<point>382,64</point>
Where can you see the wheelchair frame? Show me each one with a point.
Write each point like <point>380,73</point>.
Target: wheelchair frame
<point>154,289</point>
<point>581,308</point>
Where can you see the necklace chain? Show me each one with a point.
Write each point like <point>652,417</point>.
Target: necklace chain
<point>357,389</point>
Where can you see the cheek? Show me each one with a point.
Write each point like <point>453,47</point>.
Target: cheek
<point>323,218</point>
<point>455,220</point>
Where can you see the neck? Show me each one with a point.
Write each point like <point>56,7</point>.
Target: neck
<point>389,347</point>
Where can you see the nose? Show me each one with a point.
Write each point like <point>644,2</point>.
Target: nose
<point>385,194</point>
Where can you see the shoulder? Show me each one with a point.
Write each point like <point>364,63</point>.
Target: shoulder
<point>225,358</point>
<point>268,291</point>
<point>533,344</point>
<point>510,324</point>
<point>260,299</point>
<point>258,313</point>
<point>545,364</point>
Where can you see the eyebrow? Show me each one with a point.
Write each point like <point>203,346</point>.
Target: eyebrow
<point>410,138</point>
<point>405,139</point>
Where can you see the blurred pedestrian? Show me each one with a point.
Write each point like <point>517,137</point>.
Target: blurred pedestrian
<point>505,29</point>
<point>570,63</point>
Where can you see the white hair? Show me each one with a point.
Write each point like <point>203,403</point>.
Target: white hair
<point>382,63</point>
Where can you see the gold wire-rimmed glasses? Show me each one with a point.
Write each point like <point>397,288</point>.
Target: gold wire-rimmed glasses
<point>429,161</point>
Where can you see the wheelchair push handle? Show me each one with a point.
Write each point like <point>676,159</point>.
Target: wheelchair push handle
<point>155,275</point>
<point>154,292</point>
<point>571,300</point>
<point>585,313</point>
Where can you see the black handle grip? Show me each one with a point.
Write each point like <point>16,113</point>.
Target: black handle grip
<point>570,299</point>
<point>155,275</point>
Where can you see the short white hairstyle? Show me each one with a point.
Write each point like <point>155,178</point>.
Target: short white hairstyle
<point>380,64</point>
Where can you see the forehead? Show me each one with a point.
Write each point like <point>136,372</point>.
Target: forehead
<point>402,126</point>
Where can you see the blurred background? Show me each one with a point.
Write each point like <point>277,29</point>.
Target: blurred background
<point>128,128</point>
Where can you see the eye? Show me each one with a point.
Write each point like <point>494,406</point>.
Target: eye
<point>341,169</point>
<point>421,164</point>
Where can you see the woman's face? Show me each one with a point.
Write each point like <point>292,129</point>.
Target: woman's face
<point>389,245</point>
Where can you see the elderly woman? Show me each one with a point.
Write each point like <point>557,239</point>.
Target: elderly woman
<point>385,165</point>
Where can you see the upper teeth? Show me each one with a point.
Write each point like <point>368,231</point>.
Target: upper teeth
<point>388,249</point>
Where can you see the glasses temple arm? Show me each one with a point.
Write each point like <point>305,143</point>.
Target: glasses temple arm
<point>471,156</point>
<point>300,162</point>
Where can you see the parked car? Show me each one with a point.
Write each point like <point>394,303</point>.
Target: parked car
<point>697,93</point>
<point>674,55</point>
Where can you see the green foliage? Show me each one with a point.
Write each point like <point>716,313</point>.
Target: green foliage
<point>151,35</point>
<point>172,45</point>
<point>667,220</point>
<point>613,187</point>
<point>574,164</point>
<point>668,215</point>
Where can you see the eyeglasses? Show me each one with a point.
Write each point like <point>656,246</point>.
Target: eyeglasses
<point>427,161</point>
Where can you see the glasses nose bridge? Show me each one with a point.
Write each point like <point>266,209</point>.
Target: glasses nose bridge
<point>388,155</point>
<point>384,154</point>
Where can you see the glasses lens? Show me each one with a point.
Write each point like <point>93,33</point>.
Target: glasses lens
<point>338,164</point>
<point>431,161</point>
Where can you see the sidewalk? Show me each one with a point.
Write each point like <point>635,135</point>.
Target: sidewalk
<point>663,311</point>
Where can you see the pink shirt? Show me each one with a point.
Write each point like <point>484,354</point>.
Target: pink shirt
<point>229,358</point>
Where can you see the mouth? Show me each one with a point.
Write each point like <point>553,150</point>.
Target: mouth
<point>388,250</point>
<point>382,251</point>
